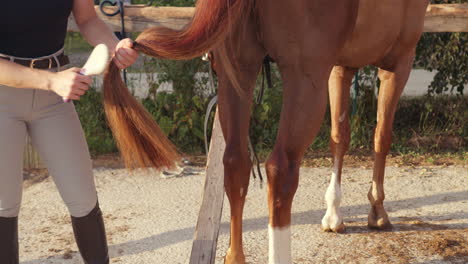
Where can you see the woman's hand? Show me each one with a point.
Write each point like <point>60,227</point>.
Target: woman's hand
<point>124,55</point>
<point>69,84</point>
<point>95,31</point>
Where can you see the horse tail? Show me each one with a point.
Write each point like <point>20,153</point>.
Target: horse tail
<point>139,139</point>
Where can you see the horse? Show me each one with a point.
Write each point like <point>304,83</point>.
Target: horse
<point>318,45</point>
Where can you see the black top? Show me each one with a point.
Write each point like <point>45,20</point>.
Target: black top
<point>33,28</point>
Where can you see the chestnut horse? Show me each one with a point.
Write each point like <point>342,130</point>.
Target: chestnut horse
<point>306,38</point>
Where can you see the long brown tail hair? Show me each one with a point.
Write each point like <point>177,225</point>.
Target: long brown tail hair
<point>140,140</point>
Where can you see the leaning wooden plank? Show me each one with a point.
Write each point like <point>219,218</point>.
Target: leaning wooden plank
<point>209,218</point>
<point>446,18</point>
<point>140,17</point>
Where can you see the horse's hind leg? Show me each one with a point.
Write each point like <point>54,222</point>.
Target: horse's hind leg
<point>304,102</point>
<point>339,85</point>
<point>392,84</point>
<point>234,114</point>
<point>234,118</point>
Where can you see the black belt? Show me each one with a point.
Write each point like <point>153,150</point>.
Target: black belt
<point>41,63</point>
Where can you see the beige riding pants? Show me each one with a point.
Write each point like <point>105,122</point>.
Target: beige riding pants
<point>56,134</point>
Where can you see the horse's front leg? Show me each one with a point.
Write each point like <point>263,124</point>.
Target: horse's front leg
<point>304,102</point>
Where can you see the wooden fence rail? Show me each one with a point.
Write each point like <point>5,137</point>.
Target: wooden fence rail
<point>439,18</point>
<point>446,18</point>
<point>141,17</point>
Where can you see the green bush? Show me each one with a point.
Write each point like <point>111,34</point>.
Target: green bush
<point>265,117</point>
<point>446,53</point>
<point>181,112</point>
<point>431,124</point>
<point>91,112</point>
<point>421,124</point>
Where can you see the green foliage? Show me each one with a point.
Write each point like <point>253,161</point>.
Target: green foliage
<point>447,53</point>
<point>75,43</point>
<point>449,1</point>
<point>181,112</point>
<point>91,112</point>
<point>421,124</point>
<point>364,107</point>
<point>266,115</point>
<point>431,124</point>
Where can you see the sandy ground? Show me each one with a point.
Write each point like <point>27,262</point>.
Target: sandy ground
<point>151,219</point>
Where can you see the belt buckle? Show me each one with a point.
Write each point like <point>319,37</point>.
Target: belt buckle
<point>32,63</point>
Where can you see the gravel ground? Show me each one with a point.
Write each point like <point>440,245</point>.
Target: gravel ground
<point>150,219</point>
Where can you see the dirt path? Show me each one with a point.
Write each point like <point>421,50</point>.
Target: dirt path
<point>151,219</point>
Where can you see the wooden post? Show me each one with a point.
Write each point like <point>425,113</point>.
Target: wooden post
<point>209,218</point>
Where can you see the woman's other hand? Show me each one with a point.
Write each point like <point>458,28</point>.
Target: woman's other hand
<point>69,84</point>
<point>124,55</point>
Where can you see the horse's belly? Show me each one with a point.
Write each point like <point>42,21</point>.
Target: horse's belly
<point>377,29</point>
<point>359,54</point>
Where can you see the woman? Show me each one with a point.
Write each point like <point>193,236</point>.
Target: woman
<point>32,85</point>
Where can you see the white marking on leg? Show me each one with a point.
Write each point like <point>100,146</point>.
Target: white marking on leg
<point>241,192</point>
<point>333,218</point>
<point>342,117</point>
<point>280,245</point>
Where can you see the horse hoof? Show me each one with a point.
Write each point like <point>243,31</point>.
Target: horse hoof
<point>341,228</point>
<point>333,224</point>
<point>380,223</point>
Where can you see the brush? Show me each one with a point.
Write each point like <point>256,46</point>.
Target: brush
<point>96,63</point>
